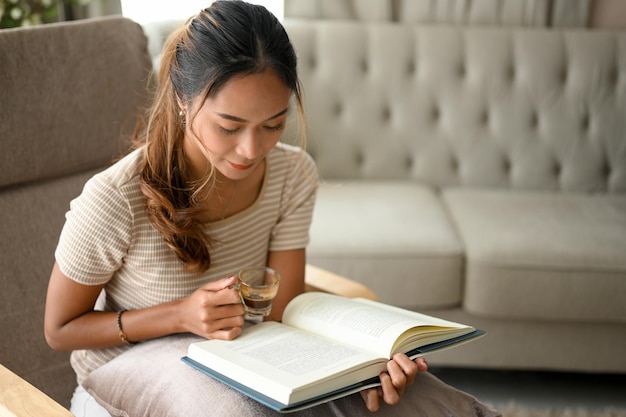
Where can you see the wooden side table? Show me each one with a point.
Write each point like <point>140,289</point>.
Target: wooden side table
<point>18,398</point>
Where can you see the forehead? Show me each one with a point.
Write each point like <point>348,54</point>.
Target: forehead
<point>251,94</point>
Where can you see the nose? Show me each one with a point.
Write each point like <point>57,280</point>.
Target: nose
<point>250,145</point>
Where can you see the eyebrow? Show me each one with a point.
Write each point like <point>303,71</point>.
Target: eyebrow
<point>240,120</point>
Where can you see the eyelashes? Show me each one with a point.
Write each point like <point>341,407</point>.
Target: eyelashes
<point>276,128</point>
<point>230,132</point>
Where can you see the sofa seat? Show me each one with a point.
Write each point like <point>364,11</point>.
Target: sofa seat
<point>412,257</point>
<point>539,255</point>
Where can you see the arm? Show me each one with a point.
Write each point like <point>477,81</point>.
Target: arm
<point>70,322</point>
<point>290,264</point>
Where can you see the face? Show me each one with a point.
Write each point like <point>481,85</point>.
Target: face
<point>237,127</point>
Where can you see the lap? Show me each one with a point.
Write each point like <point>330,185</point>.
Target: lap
<point>150,379</point>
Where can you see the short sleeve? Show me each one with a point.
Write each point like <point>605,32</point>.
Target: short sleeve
<point>297,202</point>
<point>96,234</point>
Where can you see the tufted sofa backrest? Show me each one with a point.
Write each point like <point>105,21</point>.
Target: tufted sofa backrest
<point>453,106</point>
<point>555,13</point>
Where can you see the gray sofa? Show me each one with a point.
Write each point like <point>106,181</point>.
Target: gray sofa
<point>478,174</point>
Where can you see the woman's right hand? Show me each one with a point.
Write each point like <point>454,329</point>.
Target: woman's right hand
<point>214,311</point>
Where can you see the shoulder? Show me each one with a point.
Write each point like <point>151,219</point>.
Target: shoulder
<point>125,170</point>
<point>122,175</point>
<point>115,188</point>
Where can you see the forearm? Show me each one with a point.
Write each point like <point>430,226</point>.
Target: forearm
<point>212,311</point>
<point>98,329</point>
<point>290,264</point>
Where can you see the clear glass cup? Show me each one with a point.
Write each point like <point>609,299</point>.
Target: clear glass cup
<point>258,287</point>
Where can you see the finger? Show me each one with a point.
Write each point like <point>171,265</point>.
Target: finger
<point>397,376</point>
<point>408,367</point>
<point>422,364</point>
<point>220,284</point>
<point>390,394</point>
<point>224,316</point>
<point>225,296</point>
<point>370,396</point>
<point>225,334</point>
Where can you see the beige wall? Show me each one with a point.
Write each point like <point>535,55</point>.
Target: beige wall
<point>608,14</point>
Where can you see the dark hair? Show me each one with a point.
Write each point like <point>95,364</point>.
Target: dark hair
<point>228,38</point>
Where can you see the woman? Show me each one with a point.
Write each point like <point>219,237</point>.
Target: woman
<point>151,245</point>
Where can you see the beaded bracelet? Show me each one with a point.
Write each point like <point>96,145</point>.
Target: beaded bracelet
<point>122,335</point>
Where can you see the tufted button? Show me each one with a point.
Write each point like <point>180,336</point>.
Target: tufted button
<point>484,117</point>
<point>585,122</point>
<point>386,114</point>
<point>614,76</point>
<point>557,169</point>
<point>411,68</point>
<point>507,166</point>
<point>534,120</point>
<point>365,66</point>
<point>408,163</point>
<point>511,74</point>
<point>564,75</point>
<point>606,172</point>
<point>462,71</point>
<point>359,158</point>
<point>312,63</point>
<point>337,109</point>
<point>455,164</point>
<point>435,113</point>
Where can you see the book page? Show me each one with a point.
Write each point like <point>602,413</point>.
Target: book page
<point>364,323</point>
<point>286,363</point>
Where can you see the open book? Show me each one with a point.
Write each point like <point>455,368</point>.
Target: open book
<point>326,347</point>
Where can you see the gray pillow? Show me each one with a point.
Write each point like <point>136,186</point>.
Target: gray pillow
<point>151,380</point>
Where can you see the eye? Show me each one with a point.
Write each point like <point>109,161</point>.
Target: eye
<point>227,131</point>
<point>275,128</point>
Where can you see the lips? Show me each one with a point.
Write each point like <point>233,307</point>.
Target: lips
<point>240,167</point>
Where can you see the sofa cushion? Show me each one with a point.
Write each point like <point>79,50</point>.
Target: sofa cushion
<point>393,237</point>
<point>542,255</point>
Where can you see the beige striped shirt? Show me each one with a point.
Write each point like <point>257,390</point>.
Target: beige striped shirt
<point>108,238</point>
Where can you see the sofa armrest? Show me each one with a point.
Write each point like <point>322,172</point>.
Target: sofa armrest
<point>318,279</point>
<point>20,398</point>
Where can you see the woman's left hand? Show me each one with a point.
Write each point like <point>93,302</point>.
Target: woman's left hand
<point>401,372</point>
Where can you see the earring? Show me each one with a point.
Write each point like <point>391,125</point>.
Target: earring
<point>183,119</point>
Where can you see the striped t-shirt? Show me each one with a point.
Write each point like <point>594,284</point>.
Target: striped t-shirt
<point>108,238</point>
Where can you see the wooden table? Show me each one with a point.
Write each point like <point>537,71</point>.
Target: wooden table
<point>18,398</point>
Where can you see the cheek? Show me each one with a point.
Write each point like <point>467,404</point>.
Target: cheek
<point>270,140</point>
<point>209,139</point>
